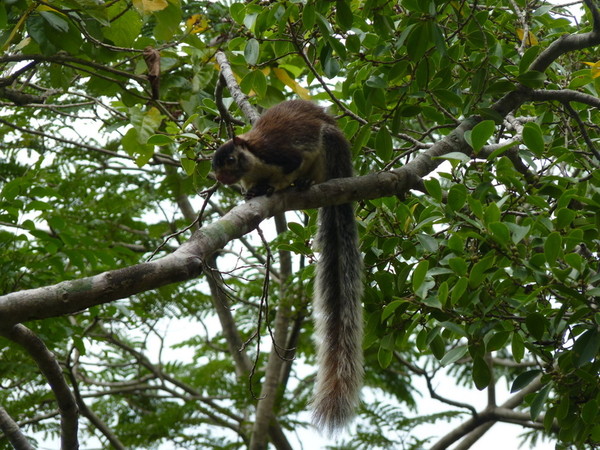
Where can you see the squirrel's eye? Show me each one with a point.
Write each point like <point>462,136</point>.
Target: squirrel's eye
<point>230,160</point>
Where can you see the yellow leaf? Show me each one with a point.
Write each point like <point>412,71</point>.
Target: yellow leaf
<point>594,68</point>
<point>47,8</point>
<point>531,39</point>
<point>283,76</point>
<point>196,24</point>
<point>149,6</point>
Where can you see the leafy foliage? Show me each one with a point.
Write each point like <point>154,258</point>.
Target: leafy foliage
<point>488,270</point>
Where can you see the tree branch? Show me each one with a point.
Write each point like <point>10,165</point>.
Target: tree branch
<point>564,96</point>
<point>564,44</point>
<point>12,431</point>
<point>238,96</point>
<point>86,411</point>
<point>48,365</point>
<point>186,262</point>
<point>491,414</point>
<point>267,402</point>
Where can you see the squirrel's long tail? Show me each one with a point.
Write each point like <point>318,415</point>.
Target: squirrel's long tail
<point>337,304</point>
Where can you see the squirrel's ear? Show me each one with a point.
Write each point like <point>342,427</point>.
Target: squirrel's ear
<point>238,141</point>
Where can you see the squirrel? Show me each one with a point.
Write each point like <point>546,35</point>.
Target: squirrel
<point>296,143</point>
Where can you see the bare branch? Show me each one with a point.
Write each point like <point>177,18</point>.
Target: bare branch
<point>87,412</point>
<point>243,364</point>
<point>564,96</point>
<point>490,414</point>
<point>238,96</point>
<point>432,393</point>
<point>564,44</point>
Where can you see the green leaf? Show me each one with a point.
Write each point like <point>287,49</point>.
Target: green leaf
<point>343,14</point>
<point>361,139</point>
<point>448,97</point>
<point>481,133</point>
<point>481,373</point>
<point>383,144</point>
<point>254,81</point>
<point>251,51</point>
<point>456,243</point>
<point>500,232</point>
<point>437,347</point>
<point>384,356</point>
<point>124,31</point>
<point>458,265</point>
<point>433,188</point>
<point>160,139</point>
<point>417,41</point>
<point>167,22</point>
<point>586,347</point>
<point>538,402</point>
<point>141,152</point>
<point>492,213</point>
<point>443,293</point>
<point>564,217</point>
<point>536,324</point>
<point>589,412</point>
<point>309,15</point>
<point>497,341</point>
<point>3,17</point>
<point>524,379</point>
<point>517,347</point>
<point>518,232</point>
<point>477,274</point>
<point>390,308</point>
<point>55,21</point>
<point>552,247</point>
<point>457,196</point>
<point>238,11</point>
<point>419,274</point>
<point>533,138</point>
<point>454,355</point>
<point>532,79</point>
<point>188,165</point>
<point>458,290</point>
<point>528,57</point>
<point>429,243</point>
<point>203,167</point>
<point>331,66</point>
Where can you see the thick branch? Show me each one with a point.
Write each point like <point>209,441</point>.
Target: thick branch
<point>48,365</point>
<point>186,262</point>
<point>564,44</point>
<point>569,43</point>
<point>503,413</point>
<point>12,431</point>
<point>564,96</point>
<point>72,296</point>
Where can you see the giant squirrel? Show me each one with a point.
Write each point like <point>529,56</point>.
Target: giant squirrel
<point>297,143</point>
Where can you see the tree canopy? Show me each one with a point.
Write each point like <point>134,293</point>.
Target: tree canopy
<point>474,129</point>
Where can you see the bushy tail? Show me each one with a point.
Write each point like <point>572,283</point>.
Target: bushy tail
<point>337,304</point>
